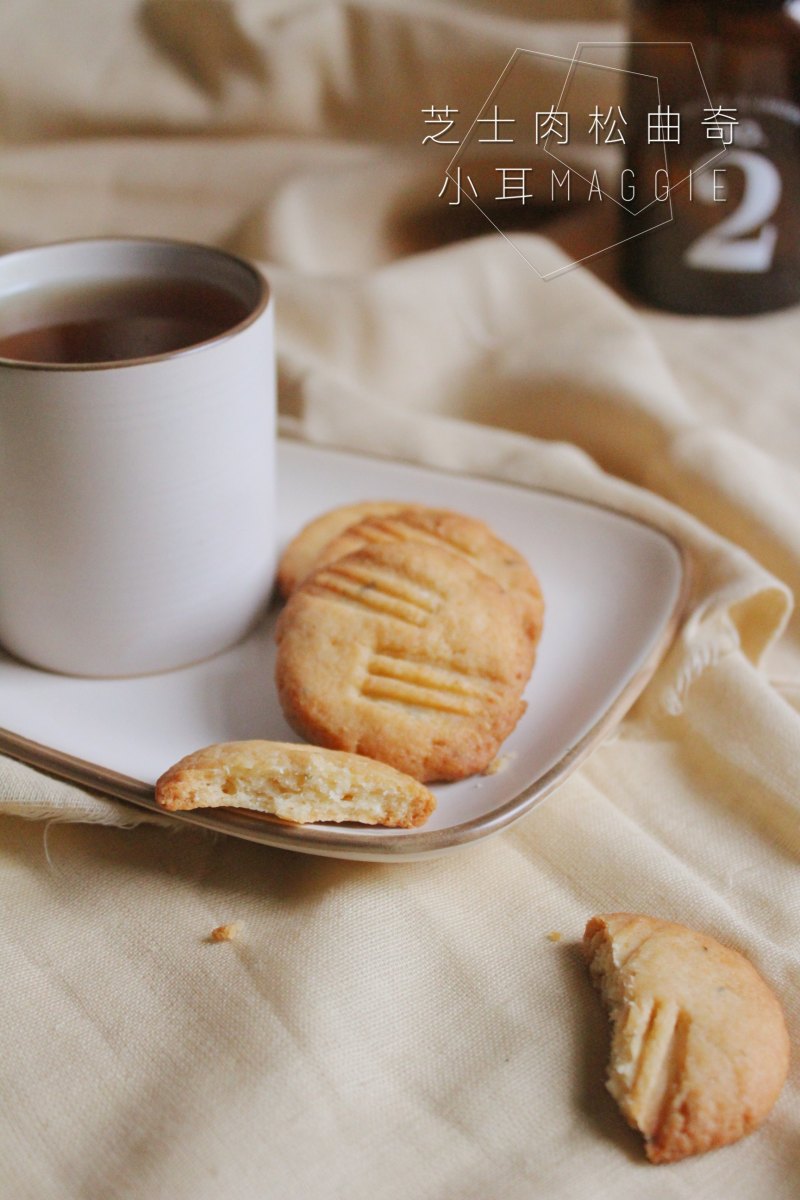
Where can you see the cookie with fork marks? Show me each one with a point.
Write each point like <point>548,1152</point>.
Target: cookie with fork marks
<point>464,536</point>
<point>299,558</point>
<point>405,653</point>
<point>699,1049</point>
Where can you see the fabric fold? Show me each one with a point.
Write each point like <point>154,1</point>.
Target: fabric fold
<point>380,1031</point>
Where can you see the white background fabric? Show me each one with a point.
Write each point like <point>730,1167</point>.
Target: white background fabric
<point>384,1032</point>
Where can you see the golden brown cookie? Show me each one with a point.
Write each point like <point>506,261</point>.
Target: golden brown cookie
<point>299,557</point>
<point>699,1047</point>
<point>406,653</point>
<point>296,783</point>
<point>467,537</point>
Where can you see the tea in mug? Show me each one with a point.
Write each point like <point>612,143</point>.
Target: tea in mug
<point>106,321</point>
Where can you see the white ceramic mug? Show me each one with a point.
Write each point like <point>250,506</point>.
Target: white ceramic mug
<point>137,519</point>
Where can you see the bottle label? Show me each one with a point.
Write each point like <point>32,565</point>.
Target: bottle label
<point>745,240</point>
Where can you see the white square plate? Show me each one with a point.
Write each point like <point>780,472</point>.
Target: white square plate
<point>613,587</point>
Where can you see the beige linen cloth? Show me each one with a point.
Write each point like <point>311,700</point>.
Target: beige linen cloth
<point>408,1031</point>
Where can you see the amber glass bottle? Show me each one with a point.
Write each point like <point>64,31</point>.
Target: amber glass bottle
<point>727,239</point>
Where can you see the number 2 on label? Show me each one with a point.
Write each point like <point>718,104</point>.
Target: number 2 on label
<point>744,241</point>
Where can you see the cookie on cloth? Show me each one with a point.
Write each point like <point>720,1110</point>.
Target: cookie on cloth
<point>699,1046</point>
<point>296,783</point>
<point>464,536</point>
<point>299,557</point>
<point>407,654</point>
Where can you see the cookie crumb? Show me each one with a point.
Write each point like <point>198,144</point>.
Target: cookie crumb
<point>225,933</point>
<point>554,936</point>
<point>499,764</point>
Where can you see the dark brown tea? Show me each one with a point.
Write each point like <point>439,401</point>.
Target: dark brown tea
<point>115,320</point>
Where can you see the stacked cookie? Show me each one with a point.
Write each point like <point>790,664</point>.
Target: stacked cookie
<point>407,639</point>
<point>408,636</point>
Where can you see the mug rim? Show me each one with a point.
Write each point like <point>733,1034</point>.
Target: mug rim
<point>258,308</point>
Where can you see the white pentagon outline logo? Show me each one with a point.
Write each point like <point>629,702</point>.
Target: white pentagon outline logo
<point>573,63</point>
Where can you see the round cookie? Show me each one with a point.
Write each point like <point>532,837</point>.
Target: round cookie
<point>464,536</point>
<point>299,557</point>
<point>407,654</point>
<point>699,1048</point>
